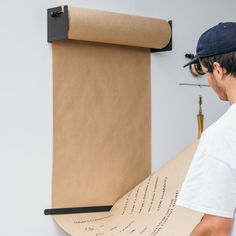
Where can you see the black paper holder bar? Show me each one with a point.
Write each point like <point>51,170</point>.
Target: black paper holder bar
<point>75,210</point>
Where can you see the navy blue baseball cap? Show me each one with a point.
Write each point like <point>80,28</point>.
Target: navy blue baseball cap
<point>217,40</point>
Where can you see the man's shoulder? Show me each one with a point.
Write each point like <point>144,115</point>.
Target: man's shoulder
<point>225,125</point>
<point>222,145</point>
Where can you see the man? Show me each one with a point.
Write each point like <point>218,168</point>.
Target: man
<point>210,184</point>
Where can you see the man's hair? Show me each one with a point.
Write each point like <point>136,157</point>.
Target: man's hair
<point>227,61</point>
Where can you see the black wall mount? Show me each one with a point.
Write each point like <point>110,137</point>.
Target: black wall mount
<point>58,24</point>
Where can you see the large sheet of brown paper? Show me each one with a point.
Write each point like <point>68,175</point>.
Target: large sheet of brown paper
<point>102,123</point>
<point>148,209</point>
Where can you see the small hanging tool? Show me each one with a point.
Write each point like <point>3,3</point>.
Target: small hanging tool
<point>200,118</point>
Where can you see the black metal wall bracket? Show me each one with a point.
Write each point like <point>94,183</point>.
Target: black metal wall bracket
<point>58,25</point>
<point>168,47</point>
<point>75,210</point>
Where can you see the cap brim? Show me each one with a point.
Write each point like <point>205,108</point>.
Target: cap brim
<point>194,60</point>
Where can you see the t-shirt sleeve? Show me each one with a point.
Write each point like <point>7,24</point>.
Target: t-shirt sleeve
<point>210,187</point>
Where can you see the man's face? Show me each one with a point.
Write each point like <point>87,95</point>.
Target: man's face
<point>215,81</point>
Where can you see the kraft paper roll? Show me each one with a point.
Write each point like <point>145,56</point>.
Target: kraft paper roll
<point>148,209</point>
<point>102,113</point>
<point>114,28</point>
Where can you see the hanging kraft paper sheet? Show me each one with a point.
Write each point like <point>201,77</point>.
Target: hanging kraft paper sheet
<point>102,130</point>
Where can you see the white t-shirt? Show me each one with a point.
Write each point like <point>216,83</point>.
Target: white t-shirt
<point>210,184</point>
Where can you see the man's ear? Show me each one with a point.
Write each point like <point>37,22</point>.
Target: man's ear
<point>219,71</point>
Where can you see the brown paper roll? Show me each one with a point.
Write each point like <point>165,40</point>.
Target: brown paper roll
<point>102,109</point>
<point>114,28</point>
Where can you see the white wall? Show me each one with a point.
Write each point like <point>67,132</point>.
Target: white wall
<point>26,98</point>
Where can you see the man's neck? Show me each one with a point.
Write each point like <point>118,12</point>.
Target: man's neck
<point>231,90</point>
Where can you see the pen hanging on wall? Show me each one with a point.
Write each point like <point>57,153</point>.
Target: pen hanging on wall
<point>200,118</point>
